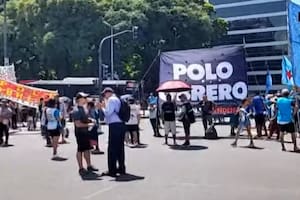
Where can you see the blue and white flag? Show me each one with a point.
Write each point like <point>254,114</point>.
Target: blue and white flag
<point>269,82</point>
<point>287,72</point>
<point>294,35</point>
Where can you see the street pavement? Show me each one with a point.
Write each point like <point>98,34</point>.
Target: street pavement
<point>210,170</point>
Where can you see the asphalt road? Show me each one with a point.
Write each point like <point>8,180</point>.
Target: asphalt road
<point>210,170</point>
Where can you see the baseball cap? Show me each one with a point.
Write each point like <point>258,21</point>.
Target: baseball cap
<point>80,95</point>
<point>107,89</point>
<point>285,91</point>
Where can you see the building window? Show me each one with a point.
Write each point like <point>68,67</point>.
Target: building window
<point>217,2</point>
<point>257,37</point>
<point>261,79</point>
<point>252,9</point>
<point>261,65</point>
<point>258,23</point>
<point>267,51</point>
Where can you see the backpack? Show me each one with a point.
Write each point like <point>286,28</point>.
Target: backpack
<point>191,116</point>
<point>124,112</point>
<point>211,133</point>
<point>189,113</point>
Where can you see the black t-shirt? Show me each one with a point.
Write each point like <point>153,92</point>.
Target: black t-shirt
<point>80,115</point>
<point>207,107</point>
<point>168,109</point>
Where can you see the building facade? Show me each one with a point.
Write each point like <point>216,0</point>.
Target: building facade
<point>261,25</point>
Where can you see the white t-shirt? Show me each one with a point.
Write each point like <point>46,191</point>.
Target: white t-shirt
<point>153,113</point>
<point>134,113</point>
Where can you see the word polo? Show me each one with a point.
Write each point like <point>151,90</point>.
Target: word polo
<point>201,78</point>
<point>197,72</point>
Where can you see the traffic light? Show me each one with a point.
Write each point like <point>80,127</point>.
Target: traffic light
<point>105,72</point>
<point>135,32</point>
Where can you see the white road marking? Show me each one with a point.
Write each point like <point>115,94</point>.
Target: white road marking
<point>99,192</point>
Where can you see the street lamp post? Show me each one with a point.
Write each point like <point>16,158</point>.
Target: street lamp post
<point>6,60</point>
<point>111,49</point>
<point>134,29</point>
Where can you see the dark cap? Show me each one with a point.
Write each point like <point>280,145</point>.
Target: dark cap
<point>107,89</point>
<point>80,95</point>
<point>182,96</point>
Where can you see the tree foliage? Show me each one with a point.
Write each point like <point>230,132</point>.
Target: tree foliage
<point>58,38</point>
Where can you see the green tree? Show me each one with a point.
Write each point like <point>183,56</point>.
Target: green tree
<point>58,38</point>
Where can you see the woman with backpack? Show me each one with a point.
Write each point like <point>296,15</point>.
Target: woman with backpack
<point>187,117</point>
<point>52,117</point>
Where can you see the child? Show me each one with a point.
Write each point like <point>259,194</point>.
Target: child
<point>244,122</point>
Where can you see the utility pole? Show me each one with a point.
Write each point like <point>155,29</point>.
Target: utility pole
<point>111,49</point>
<point>112,53</point>
<point>100,75</point>
<point>6,60</point>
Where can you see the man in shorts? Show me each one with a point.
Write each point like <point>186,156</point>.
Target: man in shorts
<point>168,113</point>
<point>82,123</point>
<point>286,108</point>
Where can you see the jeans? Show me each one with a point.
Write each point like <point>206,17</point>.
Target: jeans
<point>154,126</point>
<point>116,152</point>
<point>187,127</point>
<point>205,119</point>
<point>14,121</point>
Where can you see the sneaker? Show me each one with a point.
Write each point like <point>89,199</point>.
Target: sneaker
<point>186,143</point>
<point>121,172</point>
<point>55,157</point>
<point>83,172</point>
<point>234,144</point>
<point>114,175</point>
<point>92,169</point>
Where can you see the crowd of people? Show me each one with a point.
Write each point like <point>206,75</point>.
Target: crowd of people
<point>279,111</point>
<point>12,114</point>
<point>123,119</point>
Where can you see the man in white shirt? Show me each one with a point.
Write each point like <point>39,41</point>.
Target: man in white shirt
<point>116,153</point>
